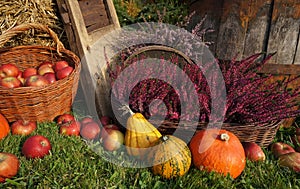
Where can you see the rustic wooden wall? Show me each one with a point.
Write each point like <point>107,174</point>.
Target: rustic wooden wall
<point>246,27</point>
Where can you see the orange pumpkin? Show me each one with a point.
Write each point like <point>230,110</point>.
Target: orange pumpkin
<point>218,150</point>
<point>4,127</point>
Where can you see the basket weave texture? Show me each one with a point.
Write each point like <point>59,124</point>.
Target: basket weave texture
<point>262,134</point>
<point>37,103</point>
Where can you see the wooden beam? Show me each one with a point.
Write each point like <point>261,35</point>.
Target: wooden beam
<point>281,69</point>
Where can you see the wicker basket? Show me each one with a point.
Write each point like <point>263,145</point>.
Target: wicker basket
<point>262,134</point>
<point>37,103</point>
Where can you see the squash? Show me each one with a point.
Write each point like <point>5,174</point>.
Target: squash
<point>4,127</point>
<point>171,157</point>
<point>218,150</point>
<point>140,135</point>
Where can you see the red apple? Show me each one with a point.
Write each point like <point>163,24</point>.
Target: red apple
<point>22,127</point>
<point>105,120</point>
<point>63,73</point>
<point>280,148</point>
<point>86,120</point>
<point>9,70</point>
<point>90,131</point>
<point>253,151</point>
<point>10,82</point>
<point>20,74</point>
<point>29,72</point>
<point>113,140</point>
<point>36,81</point>
<point>45,69</point>
<point>65,118</point>
<point>106,128</point>
<point>290,160</point>
<point>60,65</point>
<point>47,63</point>
<point>50,77</point>
<point>9,166</point>
<point>36,146</point>
<point>71,128</point>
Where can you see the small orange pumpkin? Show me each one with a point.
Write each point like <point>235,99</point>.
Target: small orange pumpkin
<point>4,127</point>
<point>218,150</point>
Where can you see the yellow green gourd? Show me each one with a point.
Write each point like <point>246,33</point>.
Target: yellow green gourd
<point>140,135</point>
<point>171,157</point>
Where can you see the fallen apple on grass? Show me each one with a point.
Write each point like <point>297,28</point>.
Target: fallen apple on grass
<point>65,118</point>
<point>9,166</point>
<point>86,120</point>
<point>113,140</point>
<point>23,127</point>
<point>280,148</point>
<point>290,160</point>
<point>253,151</point>
<point>106,128</point>
<point>36,146</point>
<point>90,131</point>
<point>71,128</point>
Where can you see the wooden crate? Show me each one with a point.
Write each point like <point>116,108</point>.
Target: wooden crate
<point>246,27</point>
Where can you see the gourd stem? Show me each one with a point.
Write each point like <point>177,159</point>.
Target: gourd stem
<point>125,108</point>
<point>224,137</point>
<point>164,138</point>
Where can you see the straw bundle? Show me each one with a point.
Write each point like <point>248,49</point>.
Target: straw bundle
<point>13,13</point>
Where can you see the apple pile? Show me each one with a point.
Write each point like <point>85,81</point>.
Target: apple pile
<point>44,74</point>
<point>109,134</point>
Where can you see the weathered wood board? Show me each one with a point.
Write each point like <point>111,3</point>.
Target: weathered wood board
<point>284,32</point>
<point>86,21</point>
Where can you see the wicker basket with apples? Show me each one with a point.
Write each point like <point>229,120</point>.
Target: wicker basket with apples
<point>36,82</point>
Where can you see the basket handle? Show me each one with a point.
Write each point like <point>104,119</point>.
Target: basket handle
<point>8,34</point>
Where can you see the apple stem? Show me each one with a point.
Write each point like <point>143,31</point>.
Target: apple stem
<point>224,137</point>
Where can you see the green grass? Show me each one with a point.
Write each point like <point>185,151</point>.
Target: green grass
<point>72,164</point>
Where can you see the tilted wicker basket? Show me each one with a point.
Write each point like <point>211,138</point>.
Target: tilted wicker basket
<point>37,103</point>
<point>260,133</point>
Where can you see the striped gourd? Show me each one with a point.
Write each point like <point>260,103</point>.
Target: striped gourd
<point>171,157</point>
<point>140,135</point>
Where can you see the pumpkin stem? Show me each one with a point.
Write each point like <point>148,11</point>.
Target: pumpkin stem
<point>224,137</point>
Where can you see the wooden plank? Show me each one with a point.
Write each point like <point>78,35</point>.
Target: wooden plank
<point>232,31</point>
<point>257,18</point>
<point>281,69</point>
<point>243,28</point>
<point>212,9</point>
<point>94,13</point>
<point>284,30</point>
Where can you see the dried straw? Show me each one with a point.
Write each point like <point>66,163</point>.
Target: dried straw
<point>16,12</point>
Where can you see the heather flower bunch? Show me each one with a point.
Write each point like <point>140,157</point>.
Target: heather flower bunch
<point>251,97</point>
